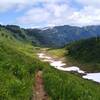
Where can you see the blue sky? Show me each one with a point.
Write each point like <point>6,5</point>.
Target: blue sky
<point>44,13</point>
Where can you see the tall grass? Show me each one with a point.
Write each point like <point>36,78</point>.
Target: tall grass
<point>66,86</point>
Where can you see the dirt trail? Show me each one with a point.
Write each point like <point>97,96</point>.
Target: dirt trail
<point>40,93</point>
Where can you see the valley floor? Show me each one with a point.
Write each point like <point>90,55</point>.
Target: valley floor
<point>58,64</point>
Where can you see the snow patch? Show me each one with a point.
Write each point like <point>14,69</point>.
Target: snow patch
<point>93,76</point>
<point>61,66</point>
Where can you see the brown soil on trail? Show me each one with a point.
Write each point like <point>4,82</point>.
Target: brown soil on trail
<point>40,93</point>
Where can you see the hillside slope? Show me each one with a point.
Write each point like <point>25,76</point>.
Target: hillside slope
<point>86,52</point>
<point>17,67</point>
<point>57,36</point>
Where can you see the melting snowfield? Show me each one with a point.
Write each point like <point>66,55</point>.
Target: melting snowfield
<point>93,76</point>
<point>61,66</point>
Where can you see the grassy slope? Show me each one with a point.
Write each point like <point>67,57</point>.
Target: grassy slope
<point>57,53</point>
<point>63,85</point>
<point>66,86</point>
<point>86,54</point>
<point>17,68</point>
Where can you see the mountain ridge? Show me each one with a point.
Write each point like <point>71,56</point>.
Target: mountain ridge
<point>57,36</point>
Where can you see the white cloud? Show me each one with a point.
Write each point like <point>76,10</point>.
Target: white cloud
<point>54,12</point>
<point>34,16</point>
<point>60,14</point>
<point>6,5</point>
<point>86,16</point>
<point>51,14</point>
<point>50,1</point>
<point>93,3</point>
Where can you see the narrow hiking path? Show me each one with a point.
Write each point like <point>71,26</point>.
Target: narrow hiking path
<point>40,93</point>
